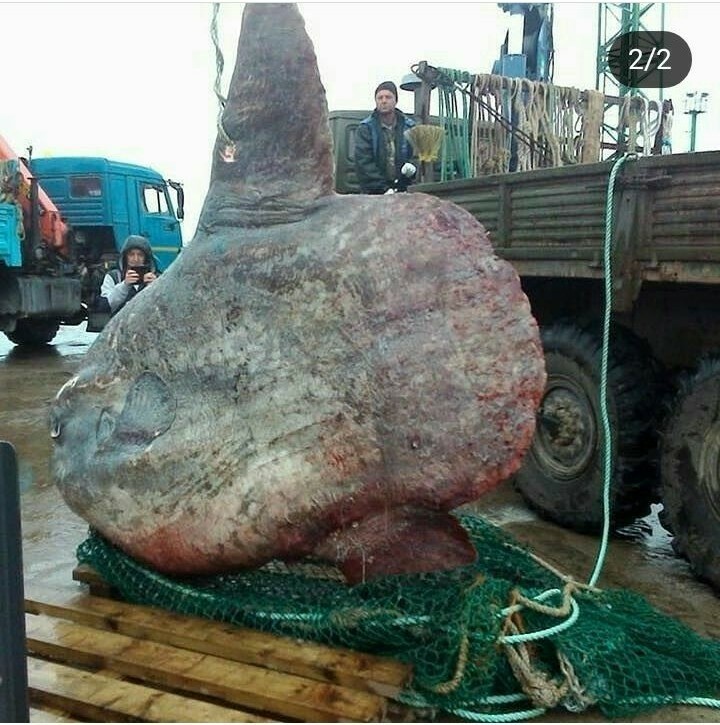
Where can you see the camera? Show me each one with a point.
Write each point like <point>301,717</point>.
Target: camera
<point>141,270</point>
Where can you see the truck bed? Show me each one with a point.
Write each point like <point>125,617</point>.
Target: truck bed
<point>551,222</point>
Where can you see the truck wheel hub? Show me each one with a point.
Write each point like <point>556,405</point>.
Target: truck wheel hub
<point>566,434</point>
<point>709,468</point>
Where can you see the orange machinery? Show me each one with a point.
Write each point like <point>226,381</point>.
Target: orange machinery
<point>53,230</point>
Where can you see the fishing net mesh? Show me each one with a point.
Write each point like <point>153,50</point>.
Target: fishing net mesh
<point>619,655</point>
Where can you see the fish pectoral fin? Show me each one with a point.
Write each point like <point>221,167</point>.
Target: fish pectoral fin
<point>400,541</point>
<point>149,408</point>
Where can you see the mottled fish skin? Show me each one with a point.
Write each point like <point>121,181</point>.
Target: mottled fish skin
<point>310,362</point>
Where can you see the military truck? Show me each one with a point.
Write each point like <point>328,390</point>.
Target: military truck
<point>664,357</point>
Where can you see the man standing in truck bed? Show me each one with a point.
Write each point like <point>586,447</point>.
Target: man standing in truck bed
<point>382,153</point>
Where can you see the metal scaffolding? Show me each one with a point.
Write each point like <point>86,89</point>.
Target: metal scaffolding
<point>615,19</point>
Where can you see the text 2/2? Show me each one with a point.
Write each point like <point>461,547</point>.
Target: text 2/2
<point>652,59</point>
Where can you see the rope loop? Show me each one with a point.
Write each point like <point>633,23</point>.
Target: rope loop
<point>229,152</point>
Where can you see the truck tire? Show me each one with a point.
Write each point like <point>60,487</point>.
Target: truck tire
<point>690,472</point>
<point>562,475</point>
<point>33,332</point>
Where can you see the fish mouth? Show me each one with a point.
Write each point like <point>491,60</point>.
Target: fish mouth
<point>93,428</point>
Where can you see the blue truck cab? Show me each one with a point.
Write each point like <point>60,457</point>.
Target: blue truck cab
<point>102,202</point>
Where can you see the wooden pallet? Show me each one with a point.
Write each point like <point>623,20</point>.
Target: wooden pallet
<point>99,659</point>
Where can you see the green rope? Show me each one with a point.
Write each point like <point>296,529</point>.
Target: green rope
<point>416,700</point>
<point>602,551</point>
<point>539,598</point>
<point>544,633</point>
<point>607,462</point>
<point>455,158</point>
<point>607,477</point>
<point>504,717</point>
<point>607,314</point>
<point>700,701</point>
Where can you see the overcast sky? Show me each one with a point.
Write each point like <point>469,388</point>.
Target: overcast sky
<point>134,81</point>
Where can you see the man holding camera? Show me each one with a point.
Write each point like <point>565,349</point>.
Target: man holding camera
<point>136,270</point>
<point>382,152</point>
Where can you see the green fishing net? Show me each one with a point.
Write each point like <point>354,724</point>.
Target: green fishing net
<point>456,628</point>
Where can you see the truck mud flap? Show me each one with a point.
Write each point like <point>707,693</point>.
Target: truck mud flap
<point>42,297</point>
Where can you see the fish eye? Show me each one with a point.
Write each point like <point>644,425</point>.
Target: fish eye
<point>55,427</point>
<point>105,426</point>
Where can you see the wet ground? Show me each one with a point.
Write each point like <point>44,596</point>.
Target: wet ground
<point>642,560</point>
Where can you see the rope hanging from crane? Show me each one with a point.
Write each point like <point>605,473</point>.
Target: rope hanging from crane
<point>229,151</point>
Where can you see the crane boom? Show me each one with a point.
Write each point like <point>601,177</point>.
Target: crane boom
<point>53,230</point>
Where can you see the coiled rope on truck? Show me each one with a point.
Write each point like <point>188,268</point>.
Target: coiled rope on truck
<point>541,119</point>
<point>491,155</point>
<point>456,143</point>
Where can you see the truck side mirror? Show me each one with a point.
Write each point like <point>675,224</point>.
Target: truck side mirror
<point>178,187</point>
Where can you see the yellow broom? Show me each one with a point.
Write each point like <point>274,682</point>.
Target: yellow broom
<point>426,140</point>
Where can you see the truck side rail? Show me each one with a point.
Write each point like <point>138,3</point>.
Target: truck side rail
<point>551,222</point>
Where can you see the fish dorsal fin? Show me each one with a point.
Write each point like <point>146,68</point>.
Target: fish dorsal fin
<point>273,155</point>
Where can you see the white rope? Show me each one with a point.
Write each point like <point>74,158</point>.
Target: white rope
<point>559,125</point>
<point>520,110</point>
<point>591,113</point>
<point>653,114</point>
<point>229,151</point>
<point>667,133</point>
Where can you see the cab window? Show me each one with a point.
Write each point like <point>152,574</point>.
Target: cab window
<point>350,141</point>
<point>85,186</point>
<point>154,199</point>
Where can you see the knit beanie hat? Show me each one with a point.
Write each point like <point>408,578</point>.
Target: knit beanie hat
<point>387,86</point>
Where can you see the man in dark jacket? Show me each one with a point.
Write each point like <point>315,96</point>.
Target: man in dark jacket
<point>136,270</point>
<point>382,153</point>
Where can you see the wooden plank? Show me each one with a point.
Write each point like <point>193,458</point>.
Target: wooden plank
<point>94,697</point>
<point>558,212</point>
<point>96,584</point>
<point>49,714</point>
<point>259,689</point>
<point>340,666</point>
